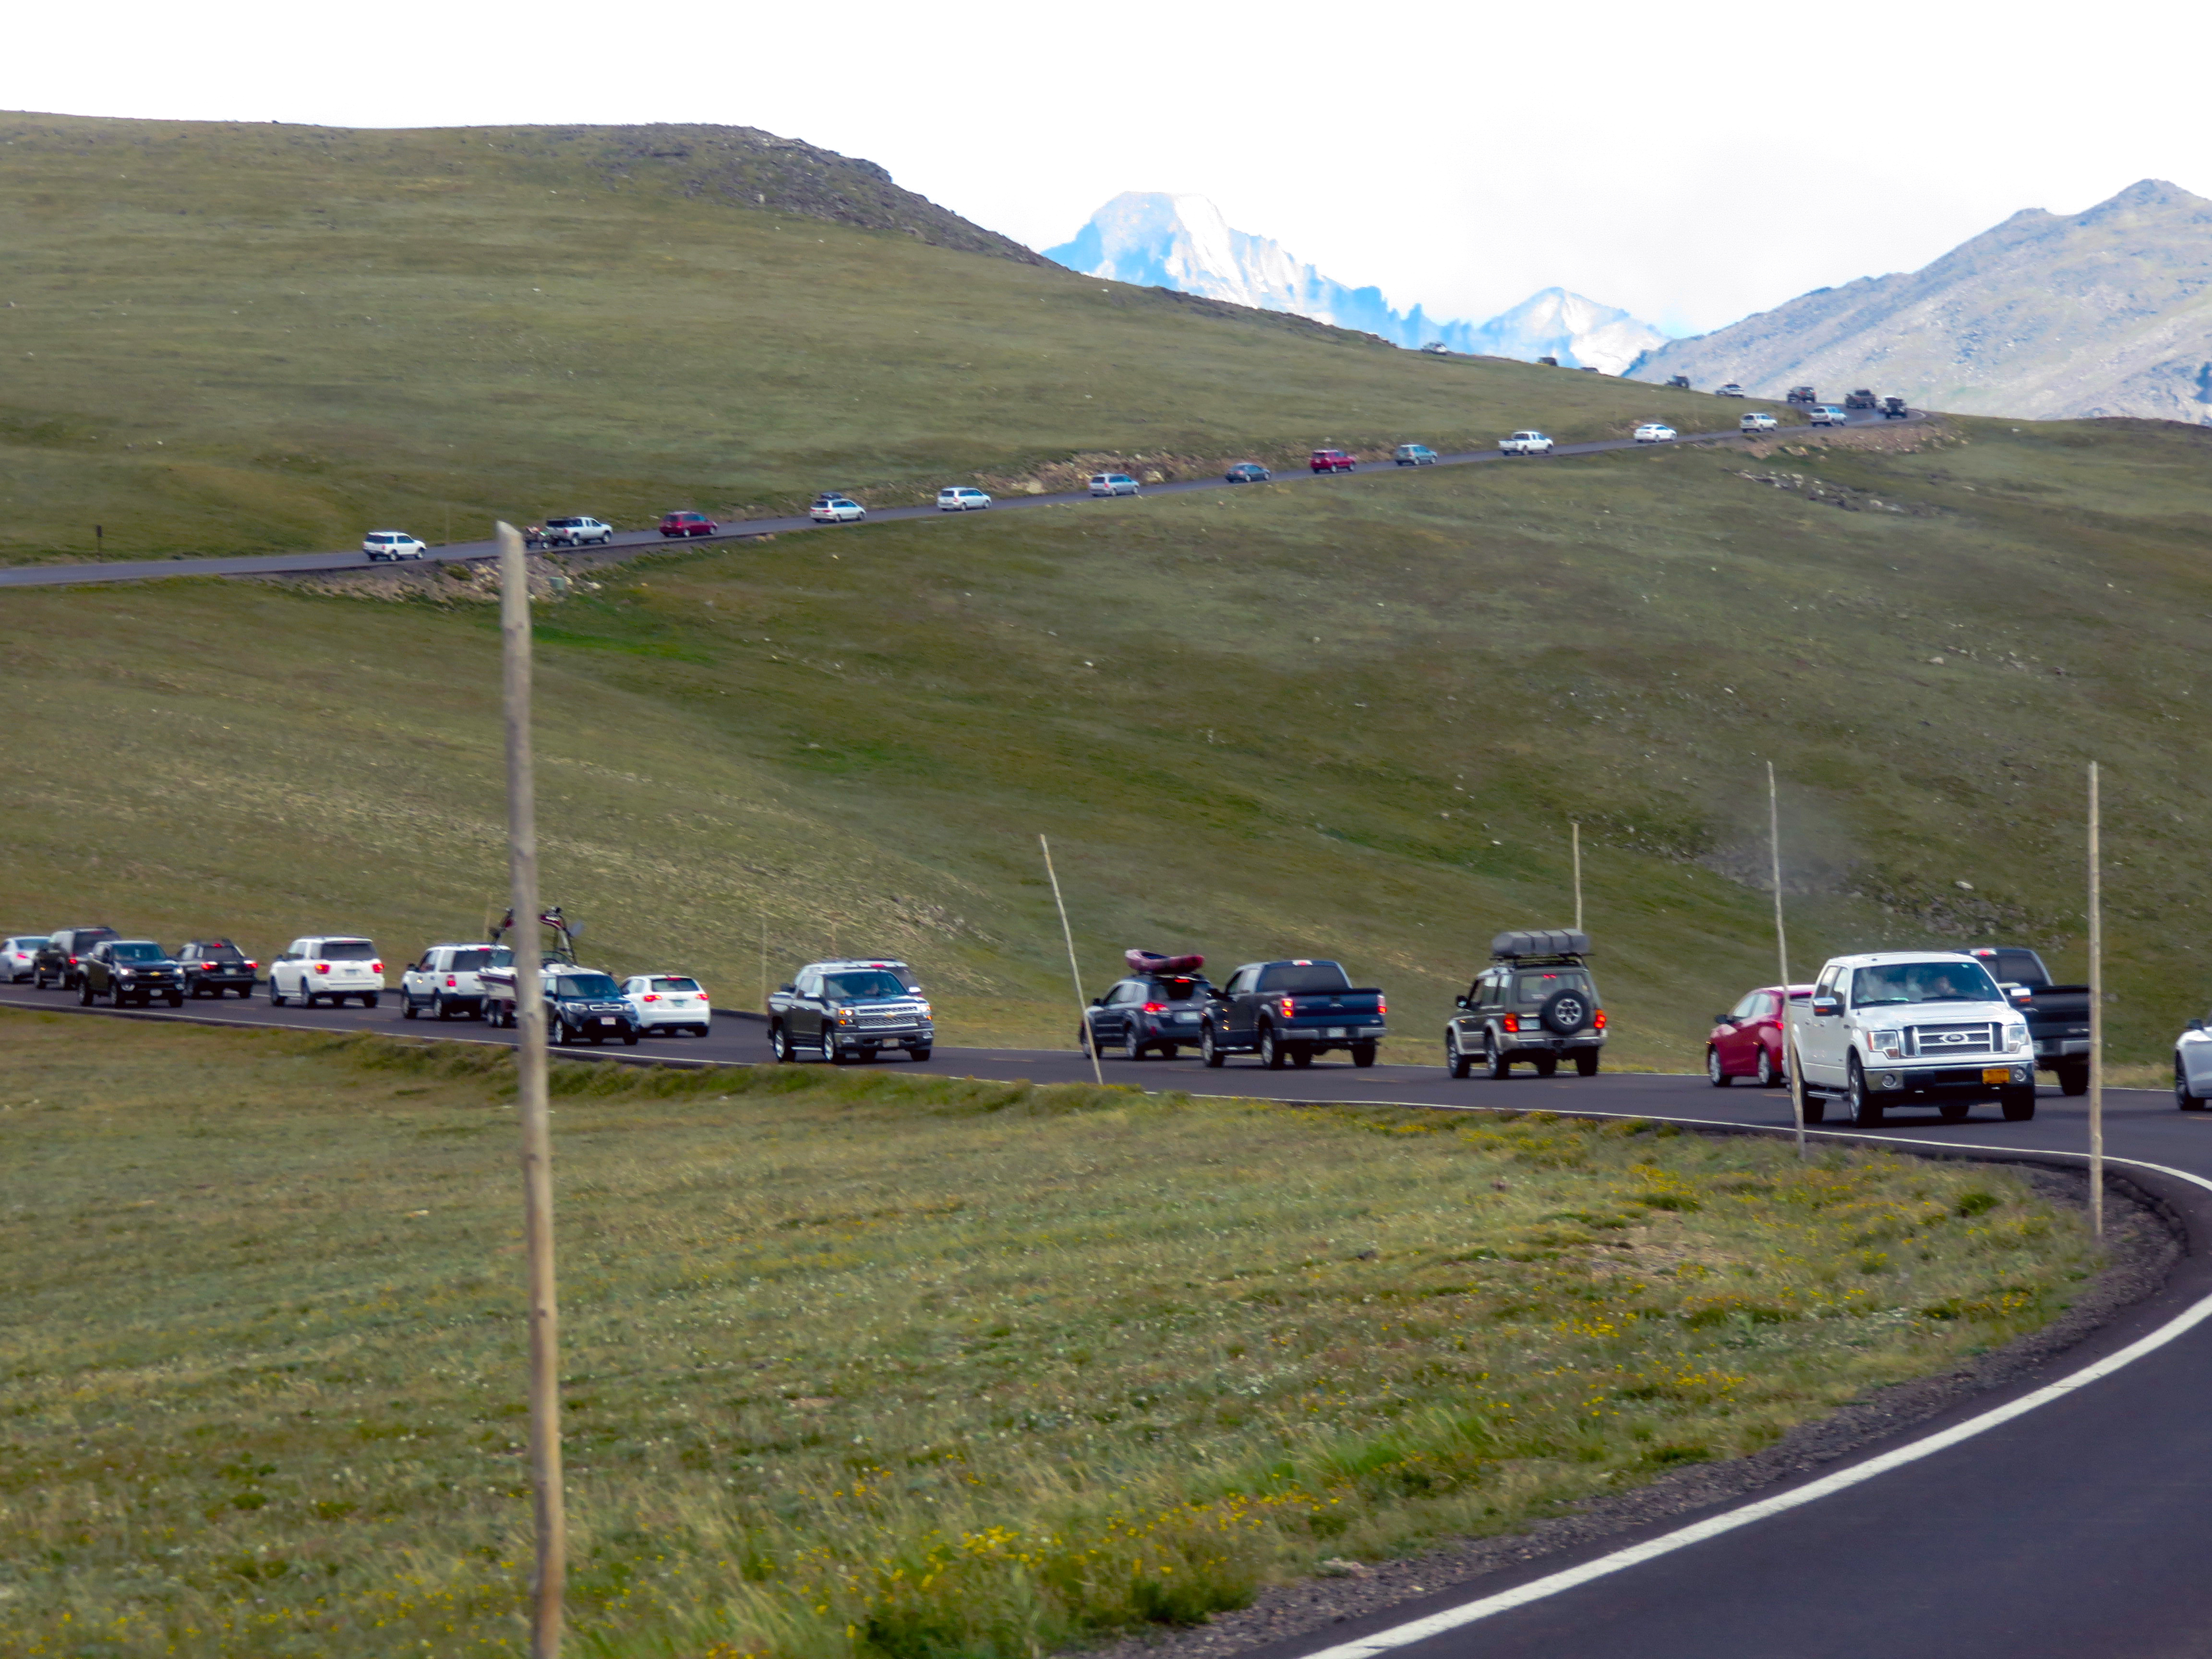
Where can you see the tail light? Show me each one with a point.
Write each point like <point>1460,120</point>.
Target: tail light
<point>72,961</point>
<point>1382,1005</point>
<point>208,966</point>
<point>702,996</point>
<point>452,983</point>
<point>653,996</point>
<point>1598,1024</point>
<point>253,964</point>
<point>1512,1022</point>
<point>1289,1006</point>
<point>322,967</point>
<point>1156,1007</point>
<point>375,966</point>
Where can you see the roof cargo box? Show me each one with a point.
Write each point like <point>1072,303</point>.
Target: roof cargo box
<point>1540,942</point>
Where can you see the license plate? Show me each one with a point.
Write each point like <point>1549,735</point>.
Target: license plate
<point>1335,1030</point>
<point>1185,1019</point>
<point>1996,1074</point>
<point>603,1020</point>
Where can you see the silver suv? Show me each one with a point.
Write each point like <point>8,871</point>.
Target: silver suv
<point>1536,1002</point>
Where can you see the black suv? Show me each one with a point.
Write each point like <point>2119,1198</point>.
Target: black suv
<point>583,1004</point>
<point>213,966</point>
<point>130,970</point>
<point>1146,1013</point>
<point>61,956</point>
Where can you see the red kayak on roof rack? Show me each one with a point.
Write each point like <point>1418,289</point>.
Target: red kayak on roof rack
<point>1151,962</point>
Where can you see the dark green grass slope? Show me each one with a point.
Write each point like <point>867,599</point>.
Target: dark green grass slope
<point>1352,718</point>
<point>227,338</point>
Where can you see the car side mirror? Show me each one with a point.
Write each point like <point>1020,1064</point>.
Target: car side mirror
<point>2022,994</point>
<point>1098,1002</point>
<point>1459,1002</point>
<point>785,989</point>
<point>1824,1007</point>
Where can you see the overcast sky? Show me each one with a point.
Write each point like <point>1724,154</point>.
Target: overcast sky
<point>1692,162</point>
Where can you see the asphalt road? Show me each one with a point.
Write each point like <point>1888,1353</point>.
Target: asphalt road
<point>294,564</point>
<point>2072,1531</point>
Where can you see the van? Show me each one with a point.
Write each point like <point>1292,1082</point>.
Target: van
<point>1112,484</point>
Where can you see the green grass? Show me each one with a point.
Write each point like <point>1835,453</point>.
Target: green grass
<point>860,1364</point>
<point>240,338</point>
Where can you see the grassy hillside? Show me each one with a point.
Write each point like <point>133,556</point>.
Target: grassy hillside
<point>1350,719</point>
<point>226,338</point>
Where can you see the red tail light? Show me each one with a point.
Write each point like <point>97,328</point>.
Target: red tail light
<point>451,982</point>
<point>322,967</point>
<point>1382,1005</point>
<point>72,961</point>
<point>208,965</point>
<point>375,966</point>
<point>1599,1022</point>
<point>253,964</point>
<point>1512,1022</point>
<point>1156,1007</point>
<point>1289,1006</point>
<point>653,996</point>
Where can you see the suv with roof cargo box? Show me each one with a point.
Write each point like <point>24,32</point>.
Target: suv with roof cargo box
<point>1536,1003</point>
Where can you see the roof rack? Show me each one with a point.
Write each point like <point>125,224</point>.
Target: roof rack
<point>1520,945</point>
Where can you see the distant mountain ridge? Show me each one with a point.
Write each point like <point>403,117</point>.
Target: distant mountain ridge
<point>2043,316</point>
<point>1182,243</point>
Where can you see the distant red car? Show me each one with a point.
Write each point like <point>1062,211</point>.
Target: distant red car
<point>687,524</point>
<point>1747,1041</point>
<point>1331,460</point>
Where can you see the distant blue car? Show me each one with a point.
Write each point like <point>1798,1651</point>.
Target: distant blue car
<point>1247,472</point>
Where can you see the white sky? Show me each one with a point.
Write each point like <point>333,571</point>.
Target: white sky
<point>1689,161</point>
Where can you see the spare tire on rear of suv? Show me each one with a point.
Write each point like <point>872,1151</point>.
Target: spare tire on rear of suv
<point>1564,1012</point>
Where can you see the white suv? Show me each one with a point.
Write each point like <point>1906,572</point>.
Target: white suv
<point>392,544</point>
<point>1927,1029</point>
<point>577,532</point>
<point>448,981</point>
<point>1826,415</point>
<point>961,499</point>
<point>1757,422</point>
<point>335,966</point>
<point>1525,443</point>
<point>669,1002</point>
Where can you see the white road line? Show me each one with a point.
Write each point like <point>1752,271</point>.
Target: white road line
<point>1469,1613</point>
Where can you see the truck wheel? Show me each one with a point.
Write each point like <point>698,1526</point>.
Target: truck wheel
<point>1548,1066</point>
<point>2074,1079</point>
<point>1493,1059</point>
<point>2019,1104</point>
<point>85,995</point>
<point>1363,1054</point>
<point>1715,1073</point>
<point>1586,1062</point>
<point>1212,1055</point>
<point>1302,1056</point>
<point>1271,1051</point>
<point>1457,1064</point>
<point>2184,1096</point>
<point>831,1052</point>
<point>369,999</point>
<point>629,1037</point>
<point>176,999</point>
<point>779,1045</point>
<point>1866,1110</point>
<point>921,1053</point>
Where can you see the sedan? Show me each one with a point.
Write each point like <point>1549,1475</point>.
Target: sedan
<point>837,509</point>
<point>1654,432</point>
<point>1731,390</point>
<point>961,499</point>
<point>687,524</point>
<point>1247,472</point>
<point>674,1002</point>
<point>1756,422</point>
<point>392,544</point>
<point>1747,1041</point>
<point>17,954</point>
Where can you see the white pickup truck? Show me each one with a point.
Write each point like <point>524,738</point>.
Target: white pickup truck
<point>1929,1029</point>
<point>1525,443</point>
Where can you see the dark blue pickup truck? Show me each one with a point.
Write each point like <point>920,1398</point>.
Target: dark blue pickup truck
<point>1289,1012</point>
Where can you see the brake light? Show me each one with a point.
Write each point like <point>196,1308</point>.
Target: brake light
<point>253,964</point>
<point>1156,1007</point>
<point>322,967</point>
<point>452,983</point>
<point>1512,1022</point>
<point>72,961</point>
<point>702,996</point>
<point>375,966</point>
<point>1288,1007</point>
<point>208,965</point>
<point>1599,1022</point>
<point>1382,1005</point>
<point>653,996</point>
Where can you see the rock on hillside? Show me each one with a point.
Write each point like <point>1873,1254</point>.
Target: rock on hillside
<point>741,167</point>
<point>2105,312</point>
<point>1182,244</point>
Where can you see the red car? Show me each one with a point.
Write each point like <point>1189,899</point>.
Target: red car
<point>1331,460</point>
<point>1747,1041</point>
<point>687,524</point>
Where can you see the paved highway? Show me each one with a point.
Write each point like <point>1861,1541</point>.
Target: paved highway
<point>294,564</point>
<point>2072,1531</point>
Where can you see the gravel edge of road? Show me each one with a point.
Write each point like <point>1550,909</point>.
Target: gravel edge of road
<point>2147,1236</point>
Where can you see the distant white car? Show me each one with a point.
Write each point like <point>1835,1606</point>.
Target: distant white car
<point>1826,415</point>
<point>331,967</point>
<point>392,544</point>
<point>1654,432</point>
<point>577,532</point>
<point>961,499</point>
<point>1757,422</point>
<point>1112,484</point>
<point>837,509</point>
<point>16,955</point>
<point>668,1001</point>
<point>1731,390</point>
<point>1525,443</point>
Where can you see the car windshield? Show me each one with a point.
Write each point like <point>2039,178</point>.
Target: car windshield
<point>476,961</point>
<point>597,986</point>
<point>347,950</point>
<point>670,982</point>
<point>1534,987</point>
<point>1304,976</point>
<point>136,952</point>
<point>860,985</point>
<point>1902,983</point>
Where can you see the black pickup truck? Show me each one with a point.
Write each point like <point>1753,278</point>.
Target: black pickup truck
<point>1291,1012</point>
<point>2057,1015</point>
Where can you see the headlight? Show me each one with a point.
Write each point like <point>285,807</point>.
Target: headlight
<point>2016,1036</point>
<point>128,973</point>
<point>1891,1044</point>
<point>844,1020</point>
<point>922,1009</point>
